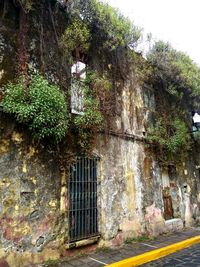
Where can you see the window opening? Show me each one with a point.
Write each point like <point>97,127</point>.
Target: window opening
<point>78,74</point>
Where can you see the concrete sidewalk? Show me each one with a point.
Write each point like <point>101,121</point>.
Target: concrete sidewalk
<point>104,257</point>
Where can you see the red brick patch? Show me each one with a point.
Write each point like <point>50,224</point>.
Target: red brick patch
<point>4,263</point>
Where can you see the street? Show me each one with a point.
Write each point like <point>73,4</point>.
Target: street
<point>189,257</point>
<point>105,256</point>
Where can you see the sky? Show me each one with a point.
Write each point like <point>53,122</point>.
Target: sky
<point>176,21</point>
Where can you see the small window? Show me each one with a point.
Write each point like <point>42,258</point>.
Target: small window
<point>148,97</point>
<point>78,73</point>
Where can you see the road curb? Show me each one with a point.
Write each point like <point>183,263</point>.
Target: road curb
<point>155,254</point>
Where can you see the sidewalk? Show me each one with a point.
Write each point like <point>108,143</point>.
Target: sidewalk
<point>106,256</point>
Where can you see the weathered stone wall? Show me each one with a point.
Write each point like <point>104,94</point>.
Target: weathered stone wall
<point>43,28</point>
<point>33,189</point>
<point>131,179</point>
<point>120,188</point>
<point>33,202</point>
<point>129,204</point>
<point>30,188</point>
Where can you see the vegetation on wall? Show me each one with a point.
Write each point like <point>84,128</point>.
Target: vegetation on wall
<point>196,136</point>
<point>174,71</point>
<point>169,137</point>
<point>90,28</point>
<point>94,116</point>
<point>108,27</point>
<point>43,108</point>
<point>26,4</point>
<point>93,29</point>
<point>176,79</point>
<point>101,32</point>
<point>40,106</point>
<point>76,37</point>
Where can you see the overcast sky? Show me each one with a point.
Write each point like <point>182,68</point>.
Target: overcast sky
<point>176,21</point>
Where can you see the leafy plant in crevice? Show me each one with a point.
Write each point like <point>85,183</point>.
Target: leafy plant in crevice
<point>96,90</point>
<point>91,119</point>
<point>169,137</point>
<point>175,71</point>
<point>40,105</point>
<point>101,32</point>
<point>26,4</point>
<point>92,116</point>
<point>76,37</point>
<point>102,89</point>
<point>176,80</point>
<point>106,23</point>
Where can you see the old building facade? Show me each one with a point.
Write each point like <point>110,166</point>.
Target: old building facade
<point>120,191</point>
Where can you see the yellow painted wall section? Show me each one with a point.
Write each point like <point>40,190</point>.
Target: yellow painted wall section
<point>63,193</point>
<point>26,259</point>
<point>130,189</point>
<point>4,146</point>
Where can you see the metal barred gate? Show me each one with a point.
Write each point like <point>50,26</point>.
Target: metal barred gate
<point>82,190</point>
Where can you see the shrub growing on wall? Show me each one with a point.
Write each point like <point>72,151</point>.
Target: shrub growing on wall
<point>41,106</point>
<point>92,119</point>
<point>75,36</point>
<point>176,79</point>
<point>175,71</point>
<point>169,138</point>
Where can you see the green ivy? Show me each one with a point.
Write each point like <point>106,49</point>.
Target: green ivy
<point>92,117</point>
<point>41,106</point>
<point>26,4</point>
<point>176,80</point>
<point>179,75</point>
<point>97,24</point>
<point>116,29</point>
<point>75,36</point>
<point>169,137</point>
<point>99,83</point>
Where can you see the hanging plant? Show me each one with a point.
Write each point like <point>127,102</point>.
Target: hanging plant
<point>40,106</point>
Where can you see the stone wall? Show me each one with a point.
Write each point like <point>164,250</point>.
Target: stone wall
<point>33,189</point>
<point>120,188</point>
<point>30,187</point>
<point>40,42</point>
<point>33,186</point>
<point>132,180</point>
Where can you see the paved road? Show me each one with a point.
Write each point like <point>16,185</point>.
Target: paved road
<point>103,257</point>
<point>189,257</point>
